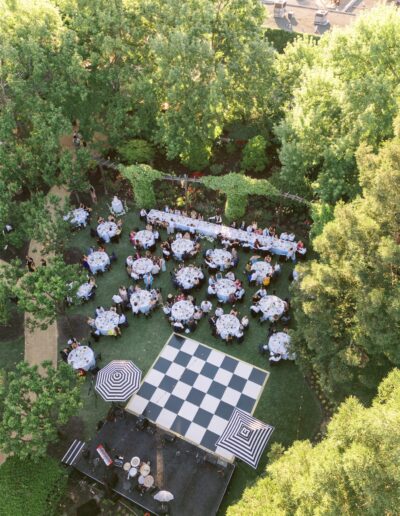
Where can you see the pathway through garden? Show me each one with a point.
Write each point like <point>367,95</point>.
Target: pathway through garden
<point>40,344</point>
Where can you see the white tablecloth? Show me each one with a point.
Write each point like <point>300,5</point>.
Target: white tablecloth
<point>279,343</point>
<point>106,230</point>
<point>181,246</point>
<point>224,288</point>
<point>271,306</point>
<point>117,206</point>
<point>275,245</point>
<point>77,217</point>
<point>187,275</point>
<point>82,357</point>
<point>106,321</point>
<point>182,311</point>
<point>141,266</point>
<point>227,325</point>
<point>262,268</point>
<point>84,291</point>
<point>145,238</point>
<point>220,258</point>
<point>98,261</point>
<point>141,301</point>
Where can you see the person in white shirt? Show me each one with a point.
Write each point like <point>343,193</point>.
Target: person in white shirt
<point>206,306</point>
<point>219,311</point>
<point>245,321</point>
<point>155,269</point>
<point>211,290</point>
<point>99,310</point>
<point>122,320</point>
<point>117,299</point>
<point>143,213</point>
<point>261,292</point>
<point>166,309</point>
<point>230,275</point>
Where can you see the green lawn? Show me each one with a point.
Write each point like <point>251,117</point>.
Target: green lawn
<point>287,403</point>
<point>11,352</point>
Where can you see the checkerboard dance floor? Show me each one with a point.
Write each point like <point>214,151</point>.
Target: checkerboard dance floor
<point>193,389</point>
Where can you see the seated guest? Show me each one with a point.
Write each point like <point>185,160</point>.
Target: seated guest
<point>205,306</point>
<point>123,321</point>
<point>219,311</point>
<point>245,322</point>
<point>143,214</point>
<point>64,354</point>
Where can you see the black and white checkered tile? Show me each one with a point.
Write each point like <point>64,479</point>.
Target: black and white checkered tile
<point>193,389</point>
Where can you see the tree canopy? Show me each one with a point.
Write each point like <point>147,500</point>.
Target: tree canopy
<point>33,405</point>
<point>352,471</point>
<point>347,303</point>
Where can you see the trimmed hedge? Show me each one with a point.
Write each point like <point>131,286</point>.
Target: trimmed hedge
<point>31,488</point>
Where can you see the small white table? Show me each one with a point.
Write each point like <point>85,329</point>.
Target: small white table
<point>187,276</point>
<point>141,301</point>
<point>220,258</point>
<point>82,357</point>
<point>271,306</point>
<point>84,291</point>
<point>227,325</point>
<point>106,321</point>
<point>141,266</point>
<point>145,238</point>
<point>180,246</point>
<point>106,230</point>
<point>279,344</point>
<point>77,217</point>
<point>98,261</point>
<point>182,311</point>
<point>262,268</point>
<point>224,288</point>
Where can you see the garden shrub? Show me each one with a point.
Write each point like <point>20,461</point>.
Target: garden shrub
<point>141,178</point>
<point>31,488</point>
<point>137,151</point>
<point>254,155</point>
<point>216,169</point>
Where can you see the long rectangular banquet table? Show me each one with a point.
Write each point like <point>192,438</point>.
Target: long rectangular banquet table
<point>272,244</point>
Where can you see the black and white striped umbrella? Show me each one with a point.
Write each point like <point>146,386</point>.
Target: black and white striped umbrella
<point>118,380</point>
<point>245,437</point>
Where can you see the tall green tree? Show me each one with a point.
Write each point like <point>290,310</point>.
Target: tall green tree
<point>353,471</point>
<point>347,303</point>
<point>33,406</point>
<point>42,294</point>
<point>345,94</point>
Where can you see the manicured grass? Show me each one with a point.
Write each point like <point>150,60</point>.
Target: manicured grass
<point>11,352</point>
<point>287,402</point>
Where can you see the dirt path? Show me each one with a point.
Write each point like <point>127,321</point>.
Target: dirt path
<point>41,345</point>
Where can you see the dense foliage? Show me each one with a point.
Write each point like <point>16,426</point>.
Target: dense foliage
<point>254,154</point>
<point>33,406</point>
<point>353,471</point>
<point>237,188</point>
<point>348,301</point>
<point>33,488</point>
<point>42,294</point>
<point>136,151</point>
<point>345,94</point>
<point>142,178</point>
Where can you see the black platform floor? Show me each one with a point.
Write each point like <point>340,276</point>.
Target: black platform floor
<point>197,481</point>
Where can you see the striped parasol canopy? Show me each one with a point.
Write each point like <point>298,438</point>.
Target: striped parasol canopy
<point>245,437</point>
<point>118,380</point>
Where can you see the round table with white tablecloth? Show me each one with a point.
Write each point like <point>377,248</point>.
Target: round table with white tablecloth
<point>181,246</point>
<point>262,268</point>
<point>106,230</point>
<point>228,325</point>
<point>145,238</point>
<point>84,291</point>
<point>187,276</point>
<point>271,307</point>
<point>224,288</point>
<point>182,311</point>
<point>140,301</point>
<point>82,357</point>
<point>220,258</point>
<point>77,217</point>
<point>107,321</point>
<point>141,266</point>
<point>98,261</point>
<point>279,344</point>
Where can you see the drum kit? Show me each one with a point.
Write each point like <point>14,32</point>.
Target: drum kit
<point>134,467</point>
